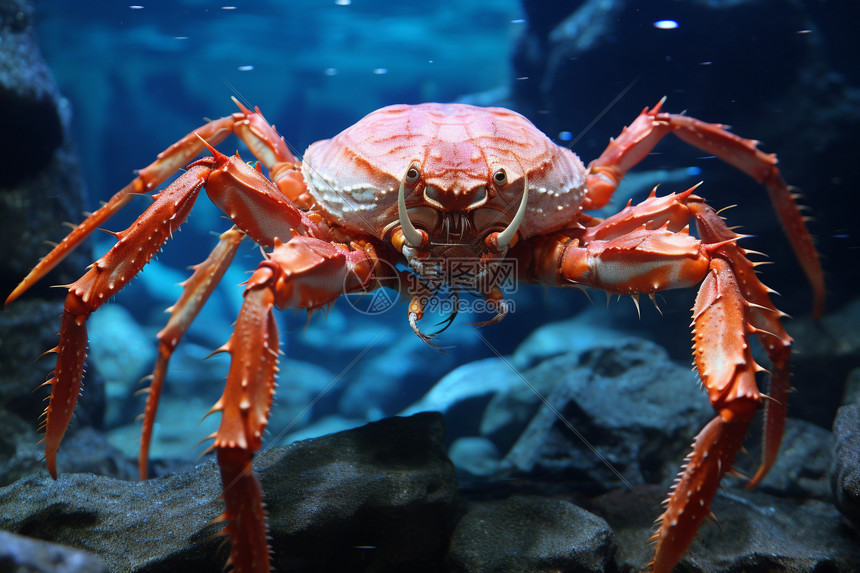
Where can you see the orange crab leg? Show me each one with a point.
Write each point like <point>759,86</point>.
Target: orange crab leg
<point>302,273</point>
<point>646,248</point>
<point>763,320</point>
<point>197,290</point>
<point>637,141</point>
<point>249,126</point>
<point>150,177</point>
<point>256,206</point>
<point>133,249</point>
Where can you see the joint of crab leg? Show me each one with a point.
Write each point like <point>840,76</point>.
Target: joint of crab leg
<point>398,240</point>
<point>260,137</point>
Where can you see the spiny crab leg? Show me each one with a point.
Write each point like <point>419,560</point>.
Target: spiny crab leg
<point>637,141</point>
<point>646,248</point>
<point>197,290</point>
<point>133,249</point>
<point>250,126</point>
<point>243,193</point>
<point>302,273</point>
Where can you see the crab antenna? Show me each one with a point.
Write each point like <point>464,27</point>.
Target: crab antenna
<point>410,233</point>
<point>506,236</point>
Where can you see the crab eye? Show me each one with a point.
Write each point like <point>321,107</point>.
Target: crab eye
<point>500,177</point>
<point>412,174</point>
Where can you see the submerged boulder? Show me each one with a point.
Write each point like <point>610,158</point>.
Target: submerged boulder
<point>381,497</point>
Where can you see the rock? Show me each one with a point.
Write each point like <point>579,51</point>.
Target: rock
<point>765,535</point>
<point>529,534</point>
<point>129,524</point>
<point>381,497</point>
<point>845,469</point>
<point>463,394</point>
<point>19,554</point>
<point>616,413</point>
<point>474,455</point>
<point>40,188</point>
<point>123,353</point>
<point>824,354</point>
<point>802,467</point>
<point>757,533</point>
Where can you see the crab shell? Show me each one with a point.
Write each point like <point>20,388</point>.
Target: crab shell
<point>458,149</point>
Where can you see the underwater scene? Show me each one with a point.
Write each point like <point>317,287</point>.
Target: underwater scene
<point>363,286</point>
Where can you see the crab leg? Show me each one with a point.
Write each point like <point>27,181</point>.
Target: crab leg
<point>249,126</point>
<point>637,141</point>
<point>257,207</point>
<point>302,273</point>
<point>198,288</point>
<point>647,248</point>
<point>133,249</point>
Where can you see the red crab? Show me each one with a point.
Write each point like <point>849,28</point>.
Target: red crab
<point>416,184</point>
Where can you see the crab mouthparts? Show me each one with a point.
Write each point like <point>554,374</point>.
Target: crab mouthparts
<point>414,238</point>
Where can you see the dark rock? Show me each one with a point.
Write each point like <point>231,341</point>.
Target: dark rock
<point>616,413</point>
<point>845,470</point>
<point>528,535</point>
<point>40,185</point>
<point>32,126</point>
<point>378,498</point>
<point>802,468</point>
<point>40,188</point>
<point>824,354</point>
<point>19,554</point>
<point>754,532</point>
<point>761,533</point>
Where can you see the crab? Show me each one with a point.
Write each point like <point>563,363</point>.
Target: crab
<point>395,196</point>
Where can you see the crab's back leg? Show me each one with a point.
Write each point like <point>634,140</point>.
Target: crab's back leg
<point>637,141</point>
<point>197,290</point>
<point>646,248</point>
<point>133,249</point>
<point>249,126</point>
<point>302,273</point>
